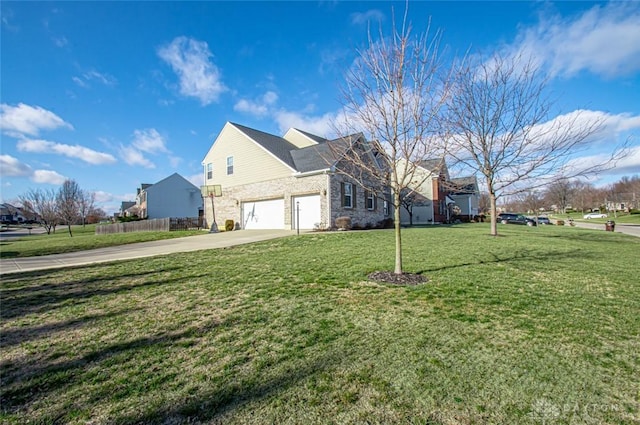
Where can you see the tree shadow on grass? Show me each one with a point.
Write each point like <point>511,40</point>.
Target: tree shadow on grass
<point>515,256</point>
<point>27,380</point>
<point>20,335</point>
<point>17,302</point>
<point>34,382</point>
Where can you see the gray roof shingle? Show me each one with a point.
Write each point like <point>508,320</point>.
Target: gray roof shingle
<point>278,146</point>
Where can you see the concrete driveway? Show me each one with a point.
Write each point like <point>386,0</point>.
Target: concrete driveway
<point>627,229</point>
<point>139,250</point>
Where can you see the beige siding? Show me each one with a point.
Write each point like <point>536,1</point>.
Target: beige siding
<point>251,162</point>
<point>298,139</point>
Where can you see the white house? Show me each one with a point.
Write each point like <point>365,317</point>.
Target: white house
<point>173,196</point>
<point>288,182</point>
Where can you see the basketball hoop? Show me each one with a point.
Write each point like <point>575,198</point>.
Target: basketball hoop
<point>211,191</point>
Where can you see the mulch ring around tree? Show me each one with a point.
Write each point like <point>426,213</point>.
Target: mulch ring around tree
<point>397,279</point>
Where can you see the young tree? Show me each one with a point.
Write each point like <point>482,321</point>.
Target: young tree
<point>500,125</point>
<point>41,204</point>
<point>393,95</point>
<point>68,203</point>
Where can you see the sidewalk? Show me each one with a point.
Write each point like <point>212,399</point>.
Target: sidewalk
<point>140,250</point>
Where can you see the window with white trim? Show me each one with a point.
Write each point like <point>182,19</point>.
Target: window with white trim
<point>229,165</point>
<point>347,195</point>
<point>369,200</point>
<point>209,171</point>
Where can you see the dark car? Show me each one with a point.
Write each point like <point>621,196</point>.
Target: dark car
<point>511,218</point>
<point>544,221</point>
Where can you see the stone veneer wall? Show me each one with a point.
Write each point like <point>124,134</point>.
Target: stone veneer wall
<point>229,205</point>
<point>360,215</point>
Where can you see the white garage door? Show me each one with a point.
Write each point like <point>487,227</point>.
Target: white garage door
<point>263,214</point>
<point>308,208</point>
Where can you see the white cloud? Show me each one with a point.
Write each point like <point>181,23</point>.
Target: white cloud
<point>259,108</point>
<point>134,157</point>
<point>361,18</point>
<point>48,176</point>
<point>93,75</point>
<point>12,167</point>
<point>25,119</point>
<point>199,77</point>
<point>150,141</point>
<point>196,179</point>
<point>102,196</point>
<point>605,40</point>
<point>72,151</point>
<point>320,125</point>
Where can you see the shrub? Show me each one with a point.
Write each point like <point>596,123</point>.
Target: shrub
<point>387,223</point>
<point>560,222</point>
<point>634,211</point>
<point>229,225</point>
<point>343,223</point>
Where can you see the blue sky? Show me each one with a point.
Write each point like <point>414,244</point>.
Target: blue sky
<point>115,94</point>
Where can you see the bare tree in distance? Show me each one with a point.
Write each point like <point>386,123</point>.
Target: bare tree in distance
<point>393,95</point>
<point>68,203</point>
<point>41,204</point>
<point>86,203</point>
<point>500,125</point>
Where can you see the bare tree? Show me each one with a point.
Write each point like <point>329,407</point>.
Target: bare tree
<point>86,203</point>
<point>500,125</point>
<point>41,205</point>
<point>68,203</point>
<point>393,95</point>
<point>561,193</point>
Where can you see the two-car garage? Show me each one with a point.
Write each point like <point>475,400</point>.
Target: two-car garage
<point>270,214</point>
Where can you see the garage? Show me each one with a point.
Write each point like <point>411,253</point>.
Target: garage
<point>308,208</point>
<point>263,214</point>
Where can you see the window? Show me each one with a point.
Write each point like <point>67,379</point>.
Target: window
<point>347,195</point>
<point>229,165</point>
<point>369,200</point>
<point>209,171</point>
<point>385,207</point>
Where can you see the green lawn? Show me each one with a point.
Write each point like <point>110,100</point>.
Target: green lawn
<point>537,326</point>
<point>83,238</point>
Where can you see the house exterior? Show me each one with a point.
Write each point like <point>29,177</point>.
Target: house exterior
<point>437,198</point>
<point>288,182</point>
<point>11,214</point>
<point>173,196</point>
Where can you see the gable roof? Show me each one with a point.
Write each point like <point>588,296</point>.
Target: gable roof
<point>434,164</point>
<point>313,137</point>
<point>276,145</point>
<point>464,185</point>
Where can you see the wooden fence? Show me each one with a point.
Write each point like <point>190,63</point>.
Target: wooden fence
<point>155,225</point>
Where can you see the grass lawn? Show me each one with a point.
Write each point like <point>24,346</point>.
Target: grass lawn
<point>537,326</point>
<point>83,238</point>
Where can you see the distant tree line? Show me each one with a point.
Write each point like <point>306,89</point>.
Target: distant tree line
<point>577,195</point>
<point>67,206</point>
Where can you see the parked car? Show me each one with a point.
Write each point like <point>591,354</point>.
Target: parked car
<point>594,215</point>
<point>544,221</point>
<point>511,218</point>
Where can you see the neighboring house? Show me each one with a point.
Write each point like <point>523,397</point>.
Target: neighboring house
<point>436,198</point>
<point>11,214</point>
<point>464,191</point>
<point>125,207</point>
<point>288,182</point>
<point>173,196</point>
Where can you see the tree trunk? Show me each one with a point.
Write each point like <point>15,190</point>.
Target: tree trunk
<point>396,217</point>
<point>69,227</point>
<point>494,214</point>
